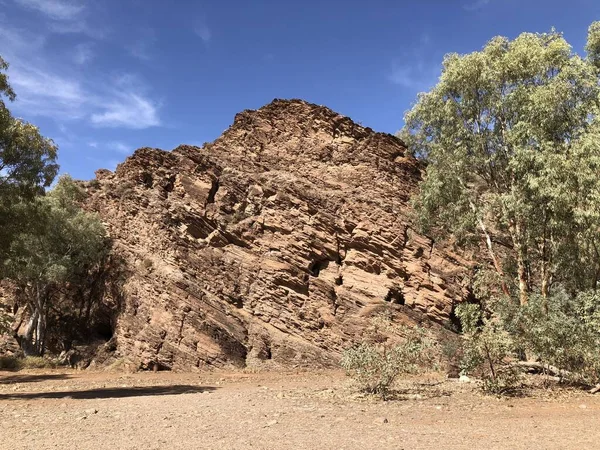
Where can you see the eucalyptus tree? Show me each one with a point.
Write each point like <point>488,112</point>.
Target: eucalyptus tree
<point>27,162</point>
<point>511,135</point>
<point>27,166</point>
<point>61,244</point>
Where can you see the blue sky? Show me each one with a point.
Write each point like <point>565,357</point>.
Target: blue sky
<point>104,78</point>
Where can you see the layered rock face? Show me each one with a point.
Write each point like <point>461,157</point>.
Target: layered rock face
<point>274,244</point>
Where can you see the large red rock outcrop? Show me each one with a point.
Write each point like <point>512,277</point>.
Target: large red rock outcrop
<point>276,242</point>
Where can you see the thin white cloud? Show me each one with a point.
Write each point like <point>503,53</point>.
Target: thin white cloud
<point>50,88</point>
<point>476,5</point>
<point>42,93</point>
<point>203,32</point>
<point>403,76</point>
<point>64,16</point>
<point>93,144</point>
<point>83,53</point>
<point>54,9</point>
<point>78,27</point>
<point>128,110</point>
<point>16,40</point>
<point>142,47</point>
<point>119,147</point>
<point>414,70</point>
<point>415,75</point>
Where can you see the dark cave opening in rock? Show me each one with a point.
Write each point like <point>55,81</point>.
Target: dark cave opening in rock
<point>315,267</point>
<point>147,179</point>
<point>395,296</point>
<point>104,331</point>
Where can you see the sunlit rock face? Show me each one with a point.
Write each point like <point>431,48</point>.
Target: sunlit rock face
<point>274,245</point>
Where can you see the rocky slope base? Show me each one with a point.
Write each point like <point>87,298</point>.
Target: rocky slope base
<point>274,244</point>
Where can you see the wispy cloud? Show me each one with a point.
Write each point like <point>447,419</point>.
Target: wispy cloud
<point>83,53</point>
<point>45,94</point>
<point>119,147</point>
<point>476,5</point>
<point>203,32</point>
<point>64,16</point>
<point>406,76</point>
<point>54,9</point>
<point>413,70</point>
<point>140,50</point>
<point>49,88</point>
<point>128,110</point>
<point>142,47</point>
<point>38,89</point>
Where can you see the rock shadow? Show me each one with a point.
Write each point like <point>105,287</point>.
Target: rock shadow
<point>116,392</point>
<point>33,378</point>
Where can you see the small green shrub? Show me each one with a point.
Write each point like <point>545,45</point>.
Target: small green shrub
<point>375,368</point>
<point>9,363</point>
<point>29,362</point>
<point>374,371</point>
<point>36,362</point>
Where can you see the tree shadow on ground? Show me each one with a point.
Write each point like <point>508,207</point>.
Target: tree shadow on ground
<point>117,392</point>
<point>29,378</point>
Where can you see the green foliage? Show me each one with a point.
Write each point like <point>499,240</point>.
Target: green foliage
<point>593,44</point>
<point>9,363</point>
<point>488,350</point>
<point>511,135</point>
<point>375,368</point>
<point>60,245</point>
<point>27,160</point>
<point>373,371</point>
<point>27,164</point>
<point>562,331</point>
<point>30,362</point>
<point>5,322</point>
<point>64,239</point>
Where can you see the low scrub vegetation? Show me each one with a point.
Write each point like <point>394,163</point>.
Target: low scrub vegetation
<point>558,335</point>
<point>29,362</point>
<point>375,367</point>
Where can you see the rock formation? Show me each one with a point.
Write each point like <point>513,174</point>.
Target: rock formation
<point>274,244</point>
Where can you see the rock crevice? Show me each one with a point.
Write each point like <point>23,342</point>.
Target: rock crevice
<point>272,245</point>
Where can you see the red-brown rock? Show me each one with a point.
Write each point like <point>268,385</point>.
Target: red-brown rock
<point>276,242</point>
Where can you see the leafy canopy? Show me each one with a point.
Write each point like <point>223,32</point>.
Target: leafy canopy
<point>60,245</point>
<point>512,139</point>
<point>27,163</point>
<point>61,240</point>
<point>27,159</point>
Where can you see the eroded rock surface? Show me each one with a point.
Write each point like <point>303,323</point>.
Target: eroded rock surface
<point>275,243</point>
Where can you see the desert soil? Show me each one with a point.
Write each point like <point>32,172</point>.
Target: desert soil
<point>319,410</point>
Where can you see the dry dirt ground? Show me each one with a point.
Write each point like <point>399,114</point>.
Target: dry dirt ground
<point>319,410</point>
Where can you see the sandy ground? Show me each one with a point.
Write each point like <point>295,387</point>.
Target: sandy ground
<point>83,410</point>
